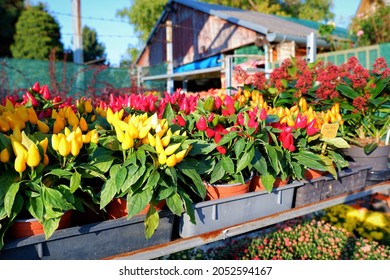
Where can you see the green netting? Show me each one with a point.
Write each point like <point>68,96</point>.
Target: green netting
<point>340,58</point>
<point>361,56</point>
<point>252,50</point>
<point>17,75</point>
<point>373,55</point>
<point>384,50</point>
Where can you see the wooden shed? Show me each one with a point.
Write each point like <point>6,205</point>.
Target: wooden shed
<point>195,45</point>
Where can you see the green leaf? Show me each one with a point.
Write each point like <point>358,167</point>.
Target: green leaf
<point>217,173</point>
<point>268,181</point>
<point>75,181</point>
<point>188,206</point>
<point>141,156</point>
<point>50,225</point>
<point>239,146</point>
<point>152,180</point>
<point>273,157</point>
<point>369,148</point>
<point>130,171</point>
<point>9,198</point>
<point>151,222</point>
<point>347,91</point>
<point>244,161</point>
<point>337,142</point>
<point>199,188</point>
<point>227,138</point>
<point>120,177</point>
<point>131,180</point>
<point>108,192</point>
<point>137,202</point>
<point>163,192</point>
<point>103,162</point>
<point>202,148</point>
<point>228,165</point>
<point>61,173</point>
<point>55,199</point>
<point>175,204</point>
<point>168,113</point>
<point>259,163</point>
<point>35,207</point>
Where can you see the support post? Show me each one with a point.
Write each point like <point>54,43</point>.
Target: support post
<point>169,56</point>
<point>78,57</point>
<point>311,47</point>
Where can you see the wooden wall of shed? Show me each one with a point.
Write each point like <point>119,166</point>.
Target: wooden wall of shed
<point>195,35</point>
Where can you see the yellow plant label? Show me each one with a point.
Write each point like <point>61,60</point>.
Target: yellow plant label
<point>329,130</point>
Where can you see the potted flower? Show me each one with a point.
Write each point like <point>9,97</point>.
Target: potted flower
<point>225,144</point>
<point>150,167</point>
<point>364,100</point>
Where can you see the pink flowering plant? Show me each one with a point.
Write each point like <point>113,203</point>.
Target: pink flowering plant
<point>297,239</point>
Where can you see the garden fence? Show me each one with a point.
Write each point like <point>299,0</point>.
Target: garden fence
<point>63,78</point>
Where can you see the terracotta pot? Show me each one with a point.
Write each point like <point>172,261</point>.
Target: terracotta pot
<point>216,191</point>
<point>256,184</point>
<point>31,226</point>
<point>312,174</point>
<point>117,208</point>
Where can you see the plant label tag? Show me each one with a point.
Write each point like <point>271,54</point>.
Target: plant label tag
<point>329,130</point>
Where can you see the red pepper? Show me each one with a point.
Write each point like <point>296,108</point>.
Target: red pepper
<point>201,124</point>
<point>45,92</point>
<point>300,122</point>
<point>217,137</point>
<point>287,140</point>
<point>36,87</point>
<point>310,129</point>
<point>210,118</point>
<point>263,114</point>
<point>221,149</point>
<point>210,132</point>
<point>180,120</point>
<point>32,99</point>
<point>229,103</point>
<point>240,119</point>
<point>217,102</point>
<point>252,123</point>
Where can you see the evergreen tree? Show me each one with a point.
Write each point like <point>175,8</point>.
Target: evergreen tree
<point>9,14</point>
<point>92,49</point>
<point>37,34</point>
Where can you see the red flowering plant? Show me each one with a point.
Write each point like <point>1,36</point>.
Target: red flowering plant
<point>301,143</point>
<point>224,134</point>
<point>362,94</point>
<point>364,100</point>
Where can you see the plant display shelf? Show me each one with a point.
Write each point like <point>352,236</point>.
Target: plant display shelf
<point>181,244</point>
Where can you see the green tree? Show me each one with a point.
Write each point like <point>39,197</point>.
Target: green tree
<point>37,34</point>
<point>143,14</point>
<point>373,28</point>
<point>9,13</point>
<point>92,48</point>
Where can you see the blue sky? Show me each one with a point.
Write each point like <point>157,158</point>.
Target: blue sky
<point>117,34</point>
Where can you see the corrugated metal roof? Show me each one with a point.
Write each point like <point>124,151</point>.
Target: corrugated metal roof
<point>259,22</point>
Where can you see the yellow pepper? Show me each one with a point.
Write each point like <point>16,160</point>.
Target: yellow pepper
<point>20,163</point>
<point>33,157</point>
<point>171,160</point>
<point>4,155</point>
